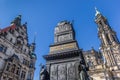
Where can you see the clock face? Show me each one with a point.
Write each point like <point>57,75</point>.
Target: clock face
<point>65,37</point>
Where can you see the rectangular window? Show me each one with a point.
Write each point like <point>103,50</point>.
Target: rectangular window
<point>18,71</point>
<point>23,74</point>
<point>23,61</point>
<point>8,67</point>
<point>13,68</point>
<point>3,48</point>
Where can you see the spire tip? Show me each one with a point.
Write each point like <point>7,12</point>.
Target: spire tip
<point>97,12</point>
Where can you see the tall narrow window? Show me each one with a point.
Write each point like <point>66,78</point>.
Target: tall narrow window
<point>8,67</point>
<point>1,48</point>
<point>115,38</point>
<point>5,48</point>
<point>18,71</point>
<point>11,40</point>
<point>100,23</point>
<point>108,39</point>
<point>23,74</point>
<point>13,68</point>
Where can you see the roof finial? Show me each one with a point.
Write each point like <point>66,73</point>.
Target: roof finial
<point>34,37</point>
<point>97,12</point>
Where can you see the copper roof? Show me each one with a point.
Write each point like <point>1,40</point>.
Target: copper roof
<point>12,27</point>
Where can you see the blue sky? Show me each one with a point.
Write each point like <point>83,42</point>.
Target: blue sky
<point>43,15</point>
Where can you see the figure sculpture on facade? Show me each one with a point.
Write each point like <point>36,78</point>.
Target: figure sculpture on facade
<point>82,72</point>
<point>17,20</point>
<point>44,75</point>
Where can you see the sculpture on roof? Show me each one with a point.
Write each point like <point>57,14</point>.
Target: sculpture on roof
<point>17,20</point>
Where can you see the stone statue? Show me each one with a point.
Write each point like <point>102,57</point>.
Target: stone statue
<point>83,72</point>
<point>17,20</point>
<point>44,75</point>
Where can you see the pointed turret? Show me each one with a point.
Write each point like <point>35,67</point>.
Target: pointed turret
<point>97,12</point>
<point>33,60</point>
<point>32,50</point>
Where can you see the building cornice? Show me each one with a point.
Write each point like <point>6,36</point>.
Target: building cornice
<point>63,55</point>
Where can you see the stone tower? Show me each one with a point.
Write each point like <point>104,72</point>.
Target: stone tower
<point>64,34</point>
<point>110,45</point>
<point>64,56</point>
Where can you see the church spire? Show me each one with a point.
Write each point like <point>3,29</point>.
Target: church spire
<point>32,48</point>
<point>34,37</point>
<point>108,38</point>
<point>97,12</point>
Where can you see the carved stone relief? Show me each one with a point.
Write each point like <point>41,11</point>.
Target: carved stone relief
<point>65,37</point>
<point>53,72</point>
<point>76,70</point>
<point>62,72</point>
<point>70,71</point>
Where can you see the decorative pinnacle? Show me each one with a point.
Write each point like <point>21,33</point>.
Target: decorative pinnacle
<point>97,12</point>
<point>35,37</point>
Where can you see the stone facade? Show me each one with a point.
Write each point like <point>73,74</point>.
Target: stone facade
<point>17,57</point>
<point>65,54</point>
<point>109,69</point>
